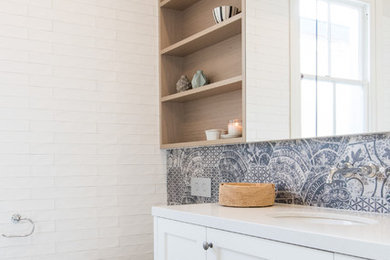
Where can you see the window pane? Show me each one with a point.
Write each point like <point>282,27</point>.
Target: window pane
<point>332,44</point>
<point>308,105</point>
<point>322,10</point>
<point>325,109</point>
<point>323,39</point>
<point>350,109</point>
<point>308,36</point>
<point>346,58</point>
<point>307,9</point>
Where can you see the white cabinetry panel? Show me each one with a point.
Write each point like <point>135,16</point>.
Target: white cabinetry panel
<point>176,240</point>
<point>232,246</point>
<point>179,241</point>
<point>347,257</point>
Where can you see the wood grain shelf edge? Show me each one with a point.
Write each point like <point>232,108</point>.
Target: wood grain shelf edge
<point>212,89</point>
<point>203,143</point>
<point>205,38</point>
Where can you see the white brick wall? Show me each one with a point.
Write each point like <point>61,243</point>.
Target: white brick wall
<point>267,70</point>
<point>384,69</point>
<point>79,149</point>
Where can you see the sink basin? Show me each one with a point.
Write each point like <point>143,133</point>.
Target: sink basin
<point>323,219</point>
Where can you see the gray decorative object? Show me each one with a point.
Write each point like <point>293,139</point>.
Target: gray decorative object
<point>299,168</point>
<point>183,84</point>
<point>199,79</point>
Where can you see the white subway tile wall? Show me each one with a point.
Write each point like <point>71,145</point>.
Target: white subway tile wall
<point>267,70</point>
<point>383,64</point>
<point>79,144</point>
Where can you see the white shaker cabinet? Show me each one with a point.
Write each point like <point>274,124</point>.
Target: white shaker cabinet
<point>232,246</point>
<point>180,241</point>
<point>212,232</point>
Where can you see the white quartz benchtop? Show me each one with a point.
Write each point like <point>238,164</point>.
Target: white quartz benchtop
<point>367,240</point>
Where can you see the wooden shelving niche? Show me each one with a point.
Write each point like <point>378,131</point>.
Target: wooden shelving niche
<point>190,41</point>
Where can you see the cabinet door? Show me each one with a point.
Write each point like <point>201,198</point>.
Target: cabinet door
<point>347,257</point>
<point>232,246</point>
<point>178,241</point>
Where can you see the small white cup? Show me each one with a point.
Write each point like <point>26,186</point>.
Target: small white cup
<point>214,134</point>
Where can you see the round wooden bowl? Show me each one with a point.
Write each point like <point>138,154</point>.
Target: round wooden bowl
<point>246,195</point>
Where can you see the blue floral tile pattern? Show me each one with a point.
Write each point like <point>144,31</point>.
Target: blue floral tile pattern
<point>299,168</point>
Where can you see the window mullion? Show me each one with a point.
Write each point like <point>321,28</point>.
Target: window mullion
<point>334,79</point>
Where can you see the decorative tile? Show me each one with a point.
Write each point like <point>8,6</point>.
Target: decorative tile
<point>299,168</point>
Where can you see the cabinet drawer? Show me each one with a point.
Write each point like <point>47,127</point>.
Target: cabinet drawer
<point>233,246</point>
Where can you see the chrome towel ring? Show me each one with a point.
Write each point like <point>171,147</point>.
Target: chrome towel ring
<point>16,219</point>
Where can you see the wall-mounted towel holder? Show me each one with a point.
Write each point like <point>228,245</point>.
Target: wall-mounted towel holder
<point>16,219</point>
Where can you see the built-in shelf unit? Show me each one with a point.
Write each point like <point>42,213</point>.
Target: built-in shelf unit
<point>190,40</point>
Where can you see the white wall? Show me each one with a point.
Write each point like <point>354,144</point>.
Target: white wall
<point>267,70</point>
<point>79,147</point>
<point>383,64</point>
<point>386,8</point>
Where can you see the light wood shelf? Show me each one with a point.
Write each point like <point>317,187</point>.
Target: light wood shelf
<point>177,4</point>
<point>213,89</point>
<point>189,41</point>
<point>205,38</point>
<point>203,143</point>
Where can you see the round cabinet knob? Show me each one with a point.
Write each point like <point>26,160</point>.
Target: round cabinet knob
<point>207,245</point>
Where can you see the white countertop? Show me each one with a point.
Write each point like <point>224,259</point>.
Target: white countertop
<point>370,240</point>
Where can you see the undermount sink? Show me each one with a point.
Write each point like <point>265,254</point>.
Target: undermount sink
<point>323,219</point>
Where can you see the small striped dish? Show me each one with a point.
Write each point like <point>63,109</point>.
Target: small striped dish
<point>222,13</point>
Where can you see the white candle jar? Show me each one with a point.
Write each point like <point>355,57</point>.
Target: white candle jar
<point>235,127</point>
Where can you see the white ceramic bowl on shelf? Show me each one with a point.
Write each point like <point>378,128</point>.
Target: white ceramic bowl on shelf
<point>214,134</point>
<point>222,13</point>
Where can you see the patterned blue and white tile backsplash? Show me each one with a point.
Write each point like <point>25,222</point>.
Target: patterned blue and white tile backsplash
<point>299,169</point>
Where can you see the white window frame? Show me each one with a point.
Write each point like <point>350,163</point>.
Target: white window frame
<point>368,82</point>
